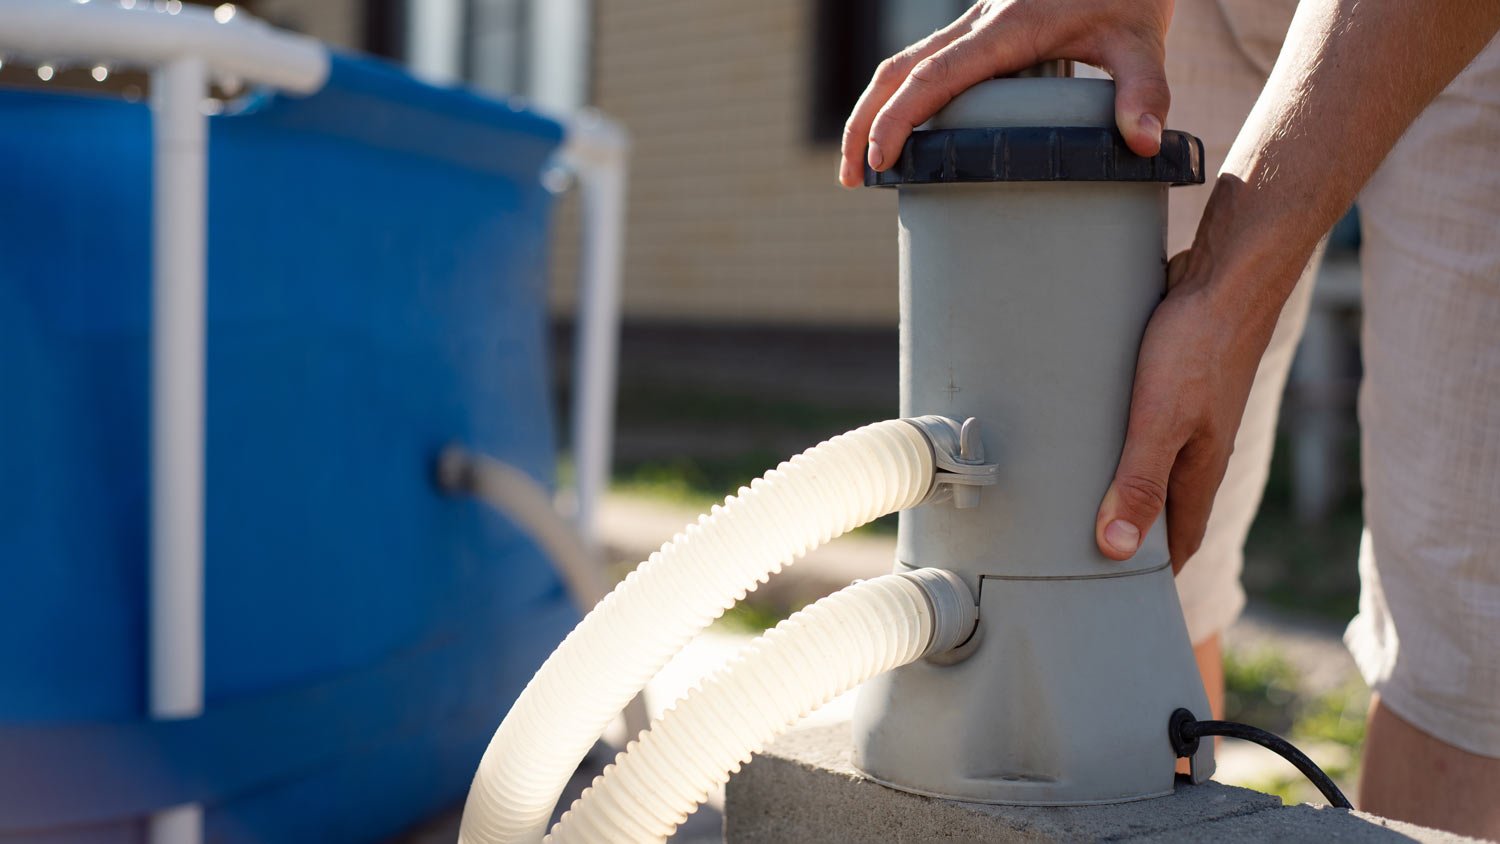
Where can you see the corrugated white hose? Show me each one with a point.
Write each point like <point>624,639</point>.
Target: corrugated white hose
<point>513,494</point>
<point>806,661</point>
<point>820,494</point>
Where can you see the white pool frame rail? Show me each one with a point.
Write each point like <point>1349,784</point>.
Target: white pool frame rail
<point>598,151</point>
<point>185,49</point>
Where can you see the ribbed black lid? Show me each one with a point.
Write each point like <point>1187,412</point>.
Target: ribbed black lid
<point>1039,154</point>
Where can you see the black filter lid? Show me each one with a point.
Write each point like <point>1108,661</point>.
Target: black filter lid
<point>1039,154</point>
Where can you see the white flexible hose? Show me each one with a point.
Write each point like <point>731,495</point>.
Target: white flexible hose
<point>806,661</point>
<point>822,493</point>
<point>513,494</point>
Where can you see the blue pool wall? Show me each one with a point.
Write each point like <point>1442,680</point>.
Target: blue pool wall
<point>376,289</point>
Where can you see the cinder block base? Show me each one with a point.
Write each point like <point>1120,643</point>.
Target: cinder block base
<point>804,788</point>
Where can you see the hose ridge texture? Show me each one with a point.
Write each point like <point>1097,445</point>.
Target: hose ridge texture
<point>820,494</point>
<point>812,657</point>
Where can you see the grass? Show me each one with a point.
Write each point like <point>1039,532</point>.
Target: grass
<point>695,481</point>
<point>704,482</point>
<point>643,405</point>
<point>1307,568</point>
<point>749,617</point>
<point>1262,688</point>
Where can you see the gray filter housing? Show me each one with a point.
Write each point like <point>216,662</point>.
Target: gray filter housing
<point>1032,256</point>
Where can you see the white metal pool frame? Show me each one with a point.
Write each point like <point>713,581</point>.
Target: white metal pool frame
<point>185,48</point>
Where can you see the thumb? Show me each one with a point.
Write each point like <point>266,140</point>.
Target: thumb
<point>1137,494</point>
<point>1141,94</point>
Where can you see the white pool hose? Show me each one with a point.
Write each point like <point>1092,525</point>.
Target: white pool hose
<point>807,660</point>
<point>513,494</point>
<point>822,493</point>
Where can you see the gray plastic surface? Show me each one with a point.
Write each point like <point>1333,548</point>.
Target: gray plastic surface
<point>955,611</point>
<point>1064,702</point>
<point>1003,103</point>
<point>1023,305</point>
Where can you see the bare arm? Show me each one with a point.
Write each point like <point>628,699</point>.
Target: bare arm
<point>1352,76</point>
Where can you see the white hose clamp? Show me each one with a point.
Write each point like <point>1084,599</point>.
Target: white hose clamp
<point>954,611</point>
<point>958,454</point>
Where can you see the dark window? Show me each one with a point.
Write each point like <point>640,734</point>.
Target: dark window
<point>846,48</point>
<point>851,37</point>
<point>385,28</point>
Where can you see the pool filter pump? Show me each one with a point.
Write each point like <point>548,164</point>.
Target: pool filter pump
<point>1032,249</point>
<point>1011,662</point>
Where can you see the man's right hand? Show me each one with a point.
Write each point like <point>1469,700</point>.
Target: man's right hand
<point>995,37</point>
<point>1193,376</point>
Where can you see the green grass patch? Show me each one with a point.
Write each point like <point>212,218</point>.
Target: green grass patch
<point>1338,716</point>
<point>1260,689</point>
<point>696,481</point>
<point>750,617</point>
<point>1308,568</point>
<point>702,483</point>
<point>1263,689</point>
<point>645,405</point>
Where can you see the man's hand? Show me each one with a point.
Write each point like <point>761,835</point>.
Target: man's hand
<point>996,37</point>
<point>1192,379</point>
<point>1351,78</point>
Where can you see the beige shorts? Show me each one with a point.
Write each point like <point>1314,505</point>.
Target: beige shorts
<point>1427,636</point>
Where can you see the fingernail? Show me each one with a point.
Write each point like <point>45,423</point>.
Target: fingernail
<point>876,159</point>
<point>1151,126</point>
<point>1122,536</point>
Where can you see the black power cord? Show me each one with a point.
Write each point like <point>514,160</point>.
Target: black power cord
<point>1185,732</point>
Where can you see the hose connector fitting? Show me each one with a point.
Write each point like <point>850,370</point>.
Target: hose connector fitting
<point>954,612</point>
<point>958,452</point>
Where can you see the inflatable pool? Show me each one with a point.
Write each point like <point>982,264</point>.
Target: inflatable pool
<point>376,258</point>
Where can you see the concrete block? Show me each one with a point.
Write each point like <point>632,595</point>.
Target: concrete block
<point>1310,823</point>
<point>803,788</point>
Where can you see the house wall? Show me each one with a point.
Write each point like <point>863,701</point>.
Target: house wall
<point>339,22</point>
<point>735,216</point>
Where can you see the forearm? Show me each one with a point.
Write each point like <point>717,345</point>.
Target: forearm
<point>1352,76</point>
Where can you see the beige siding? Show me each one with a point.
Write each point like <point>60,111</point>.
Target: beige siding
<point>735,216</point>
<point>339,22</point>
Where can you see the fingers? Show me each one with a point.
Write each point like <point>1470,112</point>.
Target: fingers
<point>1190,498</point>
<point>1142,97</point>
<point>937,79</point>
<point>1197,473</point>
<point>1169,463</point>
<point>1138,492</point>
<point>887,79</point>
<point>994,39</point>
